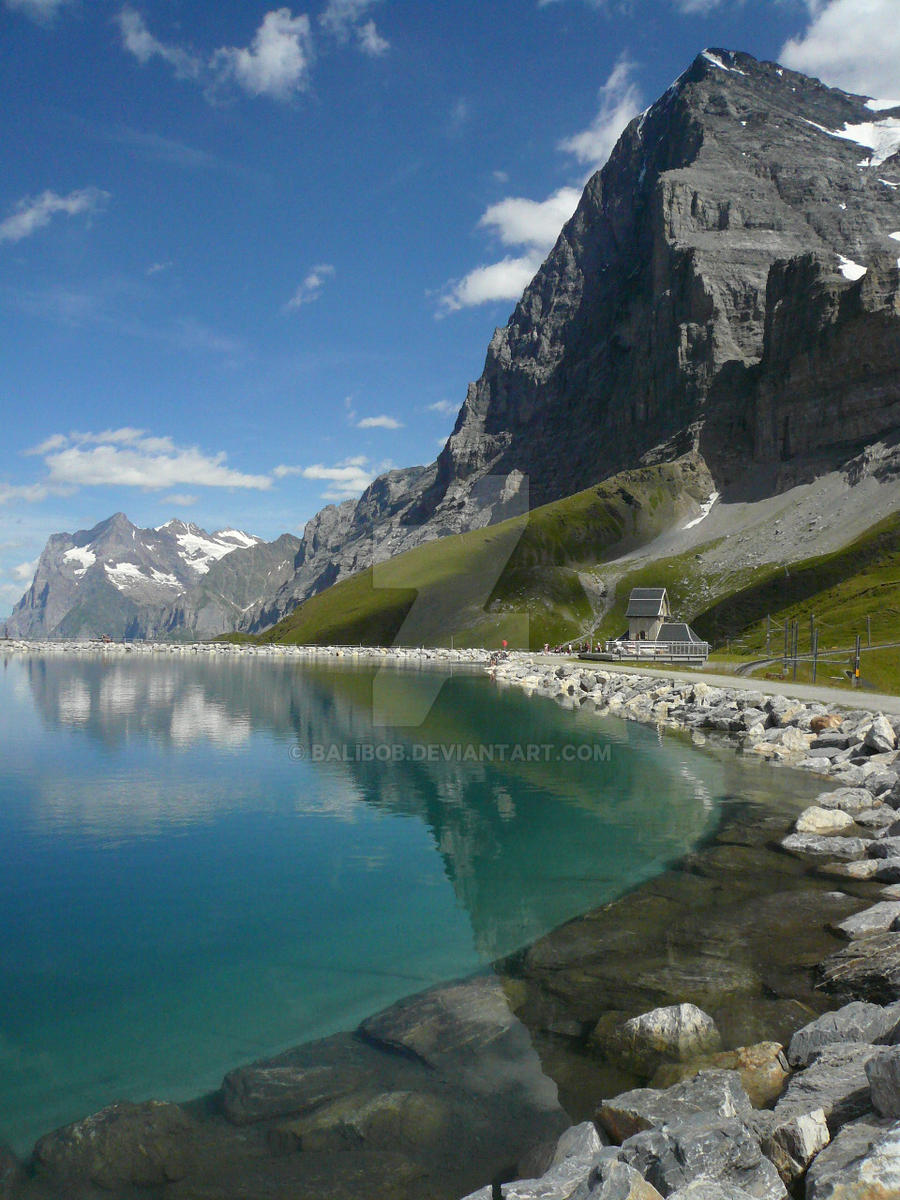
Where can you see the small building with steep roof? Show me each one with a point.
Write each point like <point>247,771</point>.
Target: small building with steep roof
<point>648,609</point>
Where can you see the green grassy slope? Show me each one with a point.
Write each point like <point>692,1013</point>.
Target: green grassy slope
<point>518,580</point>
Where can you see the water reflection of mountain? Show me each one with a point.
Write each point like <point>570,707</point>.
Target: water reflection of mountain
<point>524,844</point>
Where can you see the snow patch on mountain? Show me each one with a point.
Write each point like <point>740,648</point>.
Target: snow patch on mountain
<point>199,551</point>
<point>82,555</point>
<point>851,270</point>
<point>881,137</point>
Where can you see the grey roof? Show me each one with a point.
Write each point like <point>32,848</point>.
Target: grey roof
<point>676,631</point>
<point>647,602</point>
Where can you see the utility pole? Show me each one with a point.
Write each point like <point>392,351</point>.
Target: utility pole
<point>868,630</point>
<point>815,654</point>
<point>768,635</point>
<point>786,648</point>
<point>856,662</point>
<point>812,629</point>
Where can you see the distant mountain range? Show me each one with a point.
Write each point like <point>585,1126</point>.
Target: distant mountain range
<point>177,581</point>
<point>728,289</point>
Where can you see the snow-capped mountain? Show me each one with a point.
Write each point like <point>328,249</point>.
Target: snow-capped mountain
<point>124,581</point>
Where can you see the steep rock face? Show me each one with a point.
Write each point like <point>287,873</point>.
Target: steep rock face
<point>704,294</point>
<point>124,581</point>
<point>660,279</point>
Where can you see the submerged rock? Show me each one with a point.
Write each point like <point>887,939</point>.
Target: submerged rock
<point>141,1145</point>
<point>762,1068</point>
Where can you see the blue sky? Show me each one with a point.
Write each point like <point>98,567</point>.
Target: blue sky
<point>251,255</point>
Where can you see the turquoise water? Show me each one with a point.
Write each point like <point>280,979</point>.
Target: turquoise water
<point>202,863</point>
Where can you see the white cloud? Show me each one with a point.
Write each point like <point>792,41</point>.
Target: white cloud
<point>42,11</point>
<point>139,41</point>
<point>620,101</point>
<point>534,225</point>
<point>31,493</point>
<point>380,422</point>
<point>130,458</point>
<point>340,17</point>
<point>445,407</point>
<point>25,571</point>
<point>277,63</point>
<point>505,280</point>
<point>34,212</point>
<point>158,267</point>
<point>521,222</point>
<point>346,480</point>
<point>311,287</point>
<point>370,40</point>
<point>854,44</point>
<point>692,7</point>
<point>181,499</point>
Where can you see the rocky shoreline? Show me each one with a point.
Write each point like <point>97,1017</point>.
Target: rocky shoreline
<point>627,1010</point>
<point>818,1117</point>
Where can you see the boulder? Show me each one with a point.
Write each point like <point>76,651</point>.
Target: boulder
<point>887,870</point>
<point>879,817</point>
<point>717,1149</point>
<point>714,1093</point>
<point>828,847</point>
<point>886,847</point>
<point>279,1088</point>
<point>835,1081</point>
<point>877,919</point>
<point>791,1145</point>
<point>867,969</point>
<point>11,1172</point>
<point>870,1024</point>
<point>861,1163</point>
<point>883,1071</point>
<point>880,736</point>
<point>762,1068</point>
<point>675,1033</point>
<point>851,799</point>
<point>795,740</point>
<point>823,821</point>
<point>572,1178</point>
<point>617,1181</point>
<point>124,1145</point>
<point>860,868</point>
<point>710,1189</point>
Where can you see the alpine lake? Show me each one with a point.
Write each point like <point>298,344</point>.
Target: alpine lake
<point>207,861</point>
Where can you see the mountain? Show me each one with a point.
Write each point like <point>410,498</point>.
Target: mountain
<point>174,581</point>
<point>728,287</point>
<point>717,326</point>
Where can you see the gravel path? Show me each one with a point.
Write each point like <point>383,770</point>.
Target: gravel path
<point>872,701</point>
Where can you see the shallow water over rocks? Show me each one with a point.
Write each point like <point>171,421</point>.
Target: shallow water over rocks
<point>460,1083</point>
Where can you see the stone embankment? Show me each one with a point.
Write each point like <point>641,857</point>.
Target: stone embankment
<point>224,650</point>
<point>820,1117</point>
